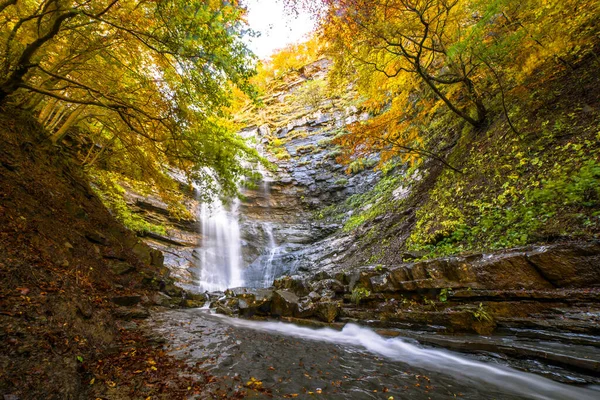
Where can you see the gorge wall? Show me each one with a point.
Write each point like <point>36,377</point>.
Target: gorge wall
<point>334,238</point>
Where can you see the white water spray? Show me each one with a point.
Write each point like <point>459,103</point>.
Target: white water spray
<point>220,253</point>
<point>505,379</point>
<point>273,250</point>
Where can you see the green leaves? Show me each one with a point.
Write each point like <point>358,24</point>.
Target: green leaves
<point>147,83</point>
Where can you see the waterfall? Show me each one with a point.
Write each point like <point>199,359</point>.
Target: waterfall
<point>268,267</point>
<point>220,253</point>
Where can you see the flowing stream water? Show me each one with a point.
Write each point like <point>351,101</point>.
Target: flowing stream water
<point>354,363</point>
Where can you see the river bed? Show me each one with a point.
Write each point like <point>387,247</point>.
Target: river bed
<point>282,360</point>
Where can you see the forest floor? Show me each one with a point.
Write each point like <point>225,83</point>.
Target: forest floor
<point>64,263</point>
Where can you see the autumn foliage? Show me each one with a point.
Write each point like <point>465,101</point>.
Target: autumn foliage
<point>144,84</point>
<point>411,59</point>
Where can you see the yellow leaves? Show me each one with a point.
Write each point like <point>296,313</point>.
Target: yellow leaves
<point>254,384</point>
<point>152,364</point>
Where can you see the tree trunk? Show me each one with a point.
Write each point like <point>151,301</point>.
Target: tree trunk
<point>23,65</point>
<point>476,123</point>
<point>60,134</point>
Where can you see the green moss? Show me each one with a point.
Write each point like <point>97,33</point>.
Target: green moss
<point>358,209</point>
<point>106,185</point>
<point>309,148</point>
<point>515,194</point>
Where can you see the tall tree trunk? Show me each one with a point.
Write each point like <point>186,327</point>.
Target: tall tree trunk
<point>60,134</point>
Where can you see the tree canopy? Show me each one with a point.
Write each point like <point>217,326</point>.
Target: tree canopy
<point>412,58</point>
<point>147,83</point>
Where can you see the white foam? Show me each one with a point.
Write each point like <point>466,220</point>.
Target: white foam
<point>506,379</point>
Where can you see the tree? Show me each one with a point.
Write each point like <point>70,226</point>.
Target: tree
<point>472,55</point>
<point>414,37</point>
<point>149,80</point>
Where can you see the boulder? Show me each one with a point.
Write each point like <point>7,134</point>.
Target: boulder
<point>506,271</point>
<point>328,284</point>
<point>314,296</point>
<point>382,283</point>
<point>126,301</point>
<point>162,299</point>
<point>128,314</point>
<point>342,277</point>
<point>306,308</point>
<point>120,267</point>
<point>255,301</point>
<point>362,278</point>
<point>573,265</point>
<point>190,303</point>
<point>148,255</point>
<point>327,311</point>
<point>96,237</point>
<point>284,303</point>
<point>295,284</point>
<point>510,271</point>
<point>223,309</point>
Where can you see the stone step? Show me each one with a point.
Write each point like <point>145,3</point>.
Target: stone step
<point>563,337</point>
<point>555,295</point>
<point>577,357</point>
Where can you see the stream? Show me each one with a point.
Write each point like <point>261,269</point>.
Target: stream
<point>357,363</point>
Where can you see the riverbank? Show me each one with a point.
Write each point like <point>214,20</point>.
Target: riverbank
<point>73,283</point>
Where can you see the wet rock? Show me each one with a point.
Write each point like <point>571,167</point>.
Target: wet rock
<point>255,302</point>
<point>569,265</point>
<point>126,301</point>
<point>321,275</point>
<point>507,271</point>
<point>498,271</point>
<point>362,278</point>
<point>148,255</point>
<point>295,284</point>
<point>327,311</point>
<point>342,277</point>
<point>314,296</point>
<point>484,327</point>
<point>197,296</point>
<point>120,267</point>
<point>131,313</point>
<point>157,258</point>
<point>306,308</point>
<point>284,303</point>
<point>224,310</point>
<point>189,303</point>
<point>162,299</point>
<point>96,237</point>
<point>327,294</point>
<point>328,284</point>
<point>382,283</point>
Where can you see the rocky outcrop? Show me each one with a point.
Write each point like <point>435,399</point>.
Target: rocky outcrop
<point>477,293</point>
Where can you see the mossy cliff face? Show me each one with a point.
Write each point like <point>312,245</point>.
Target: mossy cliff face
<point>540,186</point>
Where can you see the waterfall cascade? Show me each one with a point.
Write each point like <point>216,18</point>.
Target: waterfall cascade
<point>220,252</point>
<point>221,262</point>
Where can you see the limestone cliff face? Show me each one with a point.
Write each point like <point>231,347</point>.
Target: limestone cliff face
<point>295,135</point>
